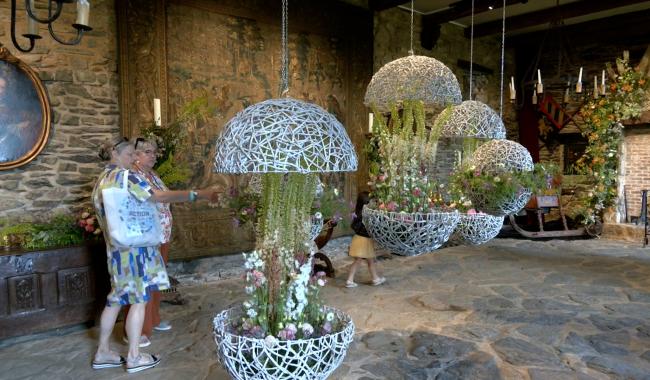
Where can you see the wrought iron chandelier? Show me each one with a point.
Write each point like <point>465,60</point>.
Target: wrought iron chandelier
<point>32,34</point>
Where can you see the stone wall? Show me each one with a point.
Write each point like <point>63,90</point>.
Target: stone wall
<point>636,167</point>
<point>82,84</point>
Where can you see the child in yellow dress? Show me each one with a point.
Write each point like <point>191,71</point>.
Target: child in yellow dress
<point>361,247</point>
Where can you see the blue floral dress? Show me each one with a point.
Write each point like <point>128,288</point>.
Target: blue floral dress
<point>134,272</point>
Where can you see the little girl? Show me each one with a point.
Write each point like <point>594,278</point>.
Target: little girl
<point>361,247</point>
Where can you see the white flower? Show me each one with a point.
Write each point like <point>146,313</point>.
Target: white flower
<point>318,215</point>
<point>250,289</point>
<point>247,304</point>
<point>251,313</point>
<point>321,282</point>
<point>307,329</point>
<point>329,317</point>
<point>270,341</point>
<point>497,179</point>
<point>336,192</point>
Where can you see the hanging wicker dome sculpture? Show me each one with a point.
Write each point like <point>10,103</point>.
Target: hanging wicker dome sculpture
<point>415,77</point>
<point>281,136</point>
<point>472,118</point>
<point>495,157</point>
<point>475,229</point>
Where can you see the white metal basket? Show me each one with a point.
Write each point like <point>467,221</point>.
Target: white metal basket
<point>475,229</point>
<point>475,119</point>
<point>511,205</point>
<point>409,234</point>
<point>250,358</point>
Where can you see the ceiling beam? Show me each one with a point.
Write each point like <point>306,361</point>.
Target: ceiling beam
<point>464,9</point>
<point>575,9</point>
<point>380,5</point>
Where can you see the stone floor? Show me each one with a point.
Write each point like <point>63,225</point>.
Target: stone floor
<point>510,309</point>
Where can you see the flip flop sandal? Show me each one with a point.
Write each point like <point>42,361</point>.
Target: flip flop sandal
<point>142,367</point>
<point>102,365</point>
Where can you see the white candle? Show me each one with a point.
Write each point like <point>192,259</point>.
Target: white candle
<point>580,76</point>
<point>566,95</point>
<point>513,92</point>
<point>32,25</point>
<point>602,82</point>
<point>626,55</point>
<point>539,76</point>
<point>83,9</point>
<point>534,97</point>
<point>370,121</point>
<point>596,87</point>
<point>156,112</point>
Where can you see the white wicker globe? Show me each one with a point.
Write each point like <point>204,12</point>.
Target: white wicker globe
<point>409,234</point>
<point>250,358</point>
<point>415,77</point>
<point>281,136</point>
<point>495,157</point>
<point>475,229</point>
<point>500,156</point>
<point>472,118</point>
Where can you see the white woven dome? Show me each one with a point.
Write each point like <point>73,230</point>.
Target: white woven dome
<point>415,77</point>
<point>472,118</point>
<point>498,156</point>
<point>281,136</point>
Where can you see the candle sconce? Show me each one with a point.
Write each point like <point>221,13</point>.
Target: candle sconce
<point>81,23</point>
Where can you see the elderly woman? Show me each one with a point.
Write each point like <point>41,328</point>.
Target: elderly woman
<point>145,159</point>
<point>134,272</point>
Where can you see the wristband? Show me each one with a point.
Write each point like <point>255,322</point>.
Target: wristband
<point>193,195</point>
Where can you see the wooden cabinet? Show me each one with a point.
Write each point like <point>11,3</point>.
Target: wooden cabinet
<point>44,290</point>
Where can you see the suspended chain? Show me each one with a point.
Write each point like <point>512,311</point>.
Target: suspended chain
<point>503,44</point>
<point>471,54</point>
<point>411,50</point>
<point>284,86</point>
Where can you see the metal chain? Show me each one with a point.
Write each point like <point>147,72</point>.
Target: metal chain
<point>284,85</point>
<point>503,44</point>
<point>411,50</point>
<point>471,54</point>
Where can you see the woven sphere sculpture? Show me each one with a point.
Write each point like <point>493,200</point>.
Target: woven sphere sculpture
<point>472,118</point>
<point>251,358</point>
<point>281,136</point>
<point>475,229</point>
<point>495,157</point>
<point>409,234</point>
<point>415,77</point>
<point>500,156</point>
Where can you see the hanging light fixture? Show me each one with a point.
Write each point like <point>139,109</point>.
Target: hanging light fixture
<point>32,34</point>
<point>414,77</point>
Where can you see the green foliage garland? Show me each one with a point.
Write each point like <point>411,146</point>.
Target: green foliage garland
<point>603,131</point>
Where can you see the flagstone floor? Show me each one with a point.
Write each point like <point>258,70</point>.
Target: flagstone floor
<point>510,309</point>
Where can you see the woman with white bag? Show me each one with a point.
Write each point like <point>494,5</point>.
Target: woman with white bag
<point>127,215</point>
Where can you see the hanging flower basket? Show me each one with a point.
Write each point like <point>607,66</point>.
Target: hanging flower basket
<point>409,234</point>
<point>475,229</point>
<point>507,206</point>
<point>267,359</point>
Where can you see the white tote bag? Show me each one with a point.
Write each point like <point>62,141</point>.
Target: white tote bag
<point>130,222</point>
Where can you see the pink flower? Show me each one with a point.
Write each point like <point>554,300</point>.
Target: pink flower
<point>471,211</point>
<point>89,228</point>
<point>417,191</point>
<point>392,206</point>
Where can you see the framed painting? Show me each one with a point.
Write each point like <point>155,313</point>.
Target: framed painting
<point>25,114</point>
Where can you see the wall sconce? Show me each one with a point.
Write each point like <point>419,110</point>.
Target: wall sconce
<point>81,24</point>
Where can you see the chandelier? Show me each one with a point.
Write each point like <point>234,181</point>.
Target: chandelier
<point>32,34</point>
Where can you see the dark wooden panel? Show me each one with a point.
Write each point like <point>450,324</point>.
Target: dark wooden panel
<point>4,297</point>
<point>75,285</point>
<point>49,291</point>
<point>24,294</point>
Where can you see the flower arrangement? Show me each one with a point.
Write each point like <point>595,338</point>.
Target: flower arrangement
<point>89,224</point>
<point>331,204</point>
<point>402,160</point>
<point>283,292</point>
<point>496,186</point>
<point>59,231</point>
<point>603,131</point>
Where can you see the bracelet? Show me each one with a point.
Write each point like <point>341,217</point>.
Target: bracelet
<point>193,195</point>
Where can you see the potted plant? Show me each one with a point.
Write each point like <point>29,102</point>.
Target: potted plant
<point>407,214</point>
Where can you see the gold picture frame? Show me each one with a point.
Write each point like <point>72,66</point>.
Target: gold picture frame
<point>25,114</point>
